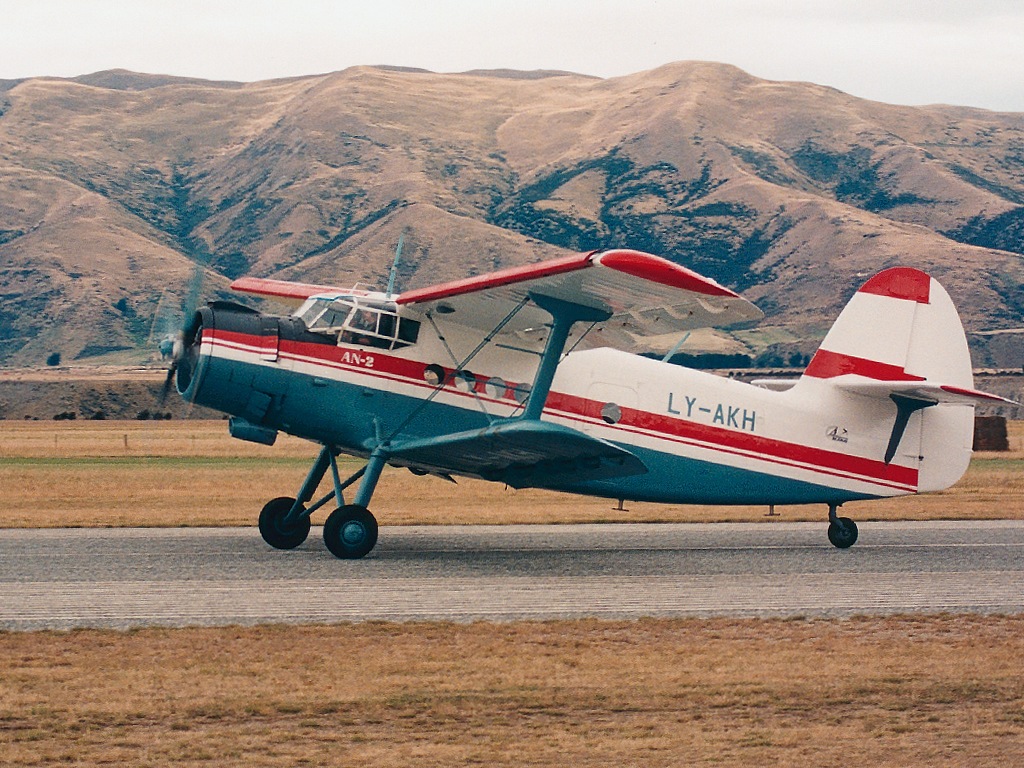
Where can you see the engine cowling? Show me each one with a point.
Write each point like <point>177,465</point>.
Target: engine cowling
<point>216,367</point>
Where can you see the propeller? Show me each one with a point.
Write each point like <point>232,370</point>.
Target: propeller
<point>182,340</point>
<point>163,329</point>
<point>176,356</point>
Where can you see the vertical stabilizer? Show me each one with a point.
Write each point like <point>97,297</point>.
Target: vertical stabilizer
<point>901,326</point>
<point>899,342</point>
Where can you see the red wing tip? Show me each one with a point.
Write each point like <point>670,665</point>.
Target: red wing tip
<point>281,289</point>
<point>900,283</point>
<point>256,285</point>
<point>634,263</point>
<point>660,270</point>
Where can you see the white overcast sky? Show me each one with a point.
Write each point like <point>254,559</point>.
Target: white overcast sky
<point>968,52</point>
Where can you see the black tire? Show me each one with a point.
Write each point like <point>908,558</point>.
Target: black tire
<point>350,532</point>
<point>842,533</point>
<point>272,527</point>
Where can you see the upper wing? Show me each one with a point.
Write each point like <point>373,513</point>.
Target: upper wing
<point>646,296</point>
<point>282,290</point>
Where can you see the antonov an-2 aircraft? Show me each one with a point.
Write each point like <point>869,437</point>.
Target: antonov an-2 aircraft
<point>527,377</point>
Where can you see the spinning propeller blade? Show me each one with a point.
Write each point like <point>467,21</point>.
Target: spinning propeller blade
<point>188,326</point>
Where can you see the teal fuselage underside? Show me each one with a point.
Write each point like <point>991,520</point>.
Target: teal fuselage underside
<point>355,419</point>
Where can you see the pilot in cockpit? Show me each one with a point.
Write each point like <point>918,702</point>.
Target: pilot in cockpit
<point>361,324</point>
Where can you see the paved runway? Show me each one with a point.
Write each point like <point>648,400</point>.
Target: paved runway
<point>179,577</point>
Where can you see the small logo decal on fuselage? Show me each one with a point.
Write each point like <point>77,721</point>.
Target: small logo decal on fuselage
<point>839,434</point>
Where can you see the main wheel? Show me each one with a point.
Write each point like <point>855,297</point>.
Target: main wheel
<point>273,528</point>
<point>350,532</point>
<point>842,533</point>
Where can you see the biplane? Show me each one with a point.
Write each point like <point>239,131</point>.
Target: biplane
<point>529,377</point>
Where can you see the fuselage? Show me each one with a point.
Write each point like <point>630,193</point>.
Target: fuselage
<point>703,438</point>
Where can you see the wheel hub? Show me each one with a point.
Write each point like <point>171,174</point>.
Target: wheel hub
<point>353,533</point>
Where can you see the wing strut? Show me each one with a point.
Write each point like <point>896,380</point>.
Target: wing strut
<point>523,451</point>
<point>564,314</point>
<point>458,367</point>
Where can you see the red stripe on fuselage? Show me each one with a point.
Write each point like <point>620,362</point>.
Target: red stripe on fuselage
<point>742,443</point>
<point>660,426</point>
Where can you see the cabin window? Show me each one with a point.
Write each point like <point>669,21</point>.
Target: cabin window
<point>408,331</point>
<point>358,320</point>
<point>386,325</point>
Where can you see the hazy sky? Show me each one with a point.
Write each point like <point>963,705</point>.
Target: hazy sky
<point>967,52</point>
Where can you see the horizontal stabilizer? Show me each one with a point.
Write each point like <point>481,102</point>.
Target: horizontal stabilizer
<point>921,390</point>
<point>521,454</point>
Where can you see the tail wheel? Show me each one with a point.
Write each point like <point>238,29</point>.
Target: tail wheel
<point>276,530</point>
<point>350,532</point>
<point>842,532</point>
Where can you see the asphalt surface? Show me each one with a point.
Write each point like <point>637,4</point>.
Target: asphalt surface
<point>62,579</point>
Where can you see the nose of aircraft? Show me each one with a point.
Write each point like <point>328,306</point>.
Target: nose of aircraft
<point>214,363</point>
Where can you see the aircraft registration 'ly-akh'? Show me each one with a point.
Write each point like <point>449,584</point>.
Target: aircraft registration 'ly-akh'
<point>525,377</point>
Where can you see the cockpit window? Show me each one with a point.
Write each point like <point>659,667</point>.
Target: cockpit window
<point>330,319</point>
<point>358,320</point>
<point>315,316</point>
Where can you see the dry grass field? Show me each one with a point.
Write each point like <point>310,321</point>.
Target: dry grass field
<point>888,691</point>
<point>174,473</point>
<point>907,691</point>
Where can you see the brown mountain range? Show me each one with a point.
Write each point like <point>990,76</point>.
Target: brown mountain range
<point>113,186</point>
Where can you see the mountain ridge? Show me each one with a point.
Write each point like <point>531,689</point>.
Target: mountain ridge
<point>113,186</point>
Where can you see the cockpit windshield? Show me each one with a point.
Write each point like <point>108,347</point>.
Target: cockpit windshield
<point>359,320</point>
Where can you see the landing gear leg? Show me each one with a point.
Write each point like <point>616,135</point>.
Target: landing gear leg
<point>842,531</point>
<point>351,530</point>
<point>284,521</point>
